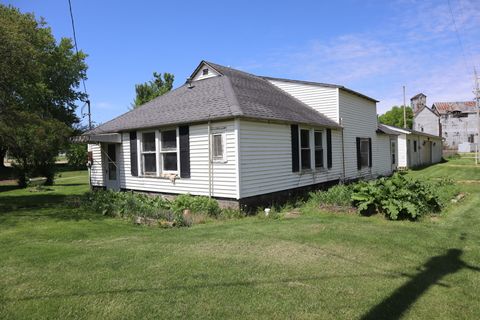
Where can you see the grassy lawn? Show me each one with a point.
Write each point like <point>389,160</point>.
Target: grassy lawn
<point>57,261</point>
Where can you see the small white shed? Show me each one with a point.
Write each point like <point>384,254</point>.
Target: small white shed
<point>416,149</point>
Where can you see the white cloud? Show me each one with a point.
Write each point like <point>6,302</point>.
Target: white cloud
<point>419,49</point>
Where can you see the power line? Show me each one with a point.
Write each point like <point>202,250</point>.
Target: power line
<point>459,38</point>
<point>76,51</point>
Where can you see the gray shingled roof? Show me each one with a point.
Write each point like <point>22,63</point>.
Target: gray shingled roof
<point>233,94</point>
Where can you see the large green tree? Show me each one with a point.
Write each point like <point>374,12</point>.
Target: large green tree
<point>39,87</point>
<point>149,90</point>
<point>394,117</point>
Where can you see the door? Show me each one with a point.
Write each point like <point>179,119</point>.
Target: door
<point>393,150</point>
<point>111,168</point>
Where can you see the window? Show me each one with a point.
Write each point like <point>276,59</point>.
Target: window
<point>414,145</point>
<point>168,150</point>
<point>149,156</point>
<point>219,146</point>
<point>305,149</point>
<point>205,72</point>
<point>394,152</point>
<point>471,138</point>
<point>318,149</point>
<point>364,152</point>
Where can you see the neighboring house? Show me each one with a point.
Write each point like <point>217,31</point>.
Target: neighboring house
<point>416,148</point>
<point>242,138</point>
<point>426,120</point>
<point>459,124</point>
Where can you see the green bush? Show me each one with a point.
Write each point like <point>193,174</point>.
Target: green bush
<point>77,156</point>
<point>401,197</point>
<point>129,205</point>
<point>338,195</point>
<point>196,204</point>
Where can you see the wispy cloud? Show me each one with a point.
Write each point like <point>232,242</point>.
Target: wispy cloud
<point>419,48</point>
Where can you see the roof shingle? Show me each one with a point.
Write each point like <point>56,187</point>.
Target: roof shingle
<point>233,94</point>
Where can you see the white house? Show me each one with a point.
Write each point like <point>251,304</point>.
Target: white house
<point>242,138</point>
<point>416,148</point>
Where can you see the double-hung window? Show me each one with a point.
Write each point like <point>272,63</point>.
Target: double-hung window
<point>364,152</point>
<point>218,145</point>
<point>318,149</point>
<point>305,149</point>
<point>149,154</point>
<point>168,150</point>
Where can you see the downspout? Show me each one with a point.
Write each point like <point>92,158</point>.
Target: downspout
<point>343,151</point>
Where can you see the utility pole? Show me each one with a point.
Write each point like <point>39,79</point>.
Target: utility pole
<point>477,99</point>
<point>404,110</point>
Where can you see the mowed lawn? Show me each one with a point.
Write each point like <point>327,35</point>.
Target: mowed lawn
<point>57,261</point>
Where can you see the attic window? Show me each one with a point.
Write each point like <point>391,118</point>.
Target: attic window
<point>205,72</point>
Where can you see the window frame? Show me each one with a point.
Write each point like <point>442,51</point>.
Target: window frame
<point>205,72</point>
<point>162,152</point>
<point>312,148</point>
<point>223,133</point>
<point>322,148</point>
<point>142,153</point>
<point>367,165</point>
<point>159,162</point>
<point>300,148</point>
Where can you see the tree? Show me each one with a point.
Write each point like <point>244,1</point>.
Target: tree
<point>34,143</point>
<point>39,81</point>
<point>154,88</point>
<point>394,117</point>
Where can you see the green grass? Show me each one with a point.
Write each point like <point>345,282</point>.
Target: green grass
<point>57,261</point>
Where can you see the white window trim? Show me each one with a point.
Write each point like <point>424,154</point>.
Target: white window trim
<point>368,152</point>
<point>324,140</point>
<point>158,152</point>
<point>300,148</point>
<point>312,149</point>
<point>161,152</point>
<point>223,133</point>
<point>142,162</point>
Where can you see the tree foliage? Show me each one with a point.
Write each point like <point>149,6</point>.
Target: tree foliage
<point>39,81</point>
<point>394,117</point>
<point>154,88</point>
<point>34,143</point>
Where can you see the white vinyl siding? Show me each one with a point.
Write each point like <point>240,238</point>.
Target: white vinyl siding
<point>224,173</point>
<point>359,119</point>
<point>96,170</point>
<point>382,155</point>
<point>322,99</point>
<point>266,160</point>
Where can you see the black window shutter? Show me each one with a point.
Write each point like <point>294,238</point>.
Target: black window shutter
<point>184,151</point>
<point>359,155</point>
<point>370,152</point>
<point>133,154</point>
<point>329,148</point>
<point>295,156</point>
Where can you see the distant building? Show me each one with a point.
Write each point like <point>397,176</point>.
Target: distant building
<point>418,101</point>
<point>459,124</point>
<point>456,122</point>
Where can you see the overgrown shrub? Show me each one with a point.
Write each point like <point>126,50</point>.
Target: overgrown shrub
<point>130,205</point>
<point>401,197</point>
<point>338,195</point>
<point>196,204</point>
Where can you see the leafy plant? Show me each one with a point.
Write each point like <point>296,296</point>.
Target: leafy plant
<point>400,197</point>
<point>77,156</point>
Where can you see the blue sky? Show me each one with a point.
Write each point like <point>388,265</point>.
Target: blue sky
<point>373,47</point>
